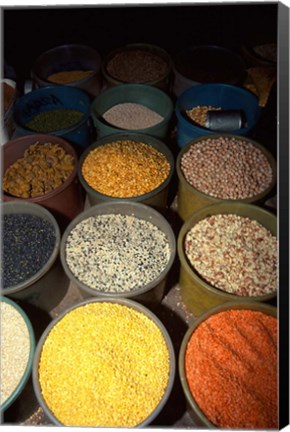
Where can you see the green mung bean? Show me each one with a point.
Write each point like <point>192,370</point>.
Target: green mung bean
<point>55,119</point>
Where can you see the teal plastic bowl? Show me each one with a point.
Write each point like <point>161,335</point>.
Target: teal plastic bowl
<point>27,373</point>
<point>225,96</point>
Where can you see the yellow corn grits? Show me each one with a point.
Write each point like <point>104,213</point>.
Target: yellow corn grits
<point>103,364</point>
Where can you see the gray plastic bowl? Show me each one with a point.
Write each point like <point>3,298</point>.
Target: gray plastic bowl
<point>126,303</point>
<point>151,294</point>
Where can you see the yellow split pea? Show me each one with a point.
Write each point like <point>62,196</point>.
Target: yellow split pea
<point>104,364</point>
<point>125,168</point>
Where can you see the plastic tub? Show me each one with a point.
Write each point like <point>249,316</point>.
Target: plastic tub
<point>157,198</point>
<point>150,294</point>
<point>225,96</point>
<point>148,96</point>
<point>199,295</point>
<point>46,288</point>
<point>162,80</point>
<point>51,98</point>
<point>70,57</point>
<point>207,64</point>
<point>197,415</point>
<point>190,199</point>
<point>27,371</point>
<point>66,201</point>
<point>124,303</point>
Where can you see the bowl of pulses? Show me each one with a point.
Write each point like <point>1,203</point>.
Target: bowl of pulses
<point>138,107</point>
<point>119,249</point>
<point>228,252</point>
<point>17,351</point>
<point>225,167</point>
<point>104,363</point>
<point>129,166</point>
<point>30,265</point>
<point>228,367</point>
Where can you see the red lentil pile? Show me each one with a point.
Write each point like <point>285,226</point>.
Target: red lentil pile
<point>231,369</point>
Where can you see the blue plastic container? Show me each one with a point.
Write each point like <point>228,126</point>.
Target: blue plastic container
<point>52,98</point>
<point>224,96</point>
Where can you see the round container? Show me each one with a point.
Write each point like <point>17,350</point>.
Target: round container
<point>151,294</point>
<point>225,96</point>
<point>163,80</point>
<point>70,57</point>
<point>190,199</point>
<point>156,198</point>
<point>27,372</point>
<point>52,98</point>
<point>9,95</point>
<point>197,415</point>
<point>207,64</point>
<point>125,303</point>
<point>46,288</point>
<point>198,294</point>
<point>148,96</point>
<point>66,201</point>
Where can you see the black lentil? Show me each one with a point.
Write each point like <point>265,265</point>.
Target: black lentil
<point>28,242</point>
<point>55,119</point>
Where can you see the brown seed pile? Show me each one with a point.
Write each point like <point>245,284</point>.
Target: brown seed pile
<point>125,168</point>
<point>15,349</point>
<point>43,168</point>
<point>65,77</point>
<point>226,168</point>
<point>234,253</point>
<point>137,66</point>
<point>132,116</point>
<point>104,364</point>
<point>199,113</point>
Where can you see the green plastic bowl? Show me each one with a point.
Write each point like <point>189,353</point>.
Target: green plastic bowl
<point>27,373</point>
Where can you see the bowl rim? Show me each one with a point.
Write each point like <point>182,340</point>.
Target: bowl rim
<point>123,302</point>
<point>193,273</point>
<point>117,209</point>
<point>17,391</point>
<point>261,307</point>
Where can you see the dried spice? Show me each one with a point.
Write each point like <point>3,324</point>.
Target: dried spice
<point>231,367</point>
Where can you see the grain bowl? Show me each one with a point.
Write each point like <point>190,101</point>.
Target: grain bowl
<point>228,252</point>
<point>232,382</point>
<point>104,363</point>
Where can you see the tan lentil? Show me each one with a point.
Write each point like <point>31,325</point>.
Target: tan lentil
<point>199,113</point>
<point>104,364</point>
<point>125,169</point>
<point>15,348</point>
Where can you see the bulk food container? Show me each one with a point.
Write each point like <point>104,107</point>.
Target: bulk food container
<point>129,166</point>
<point>31,267</point>
<point>62,195</point>
<point>119,249</point>
<point>138,63</point>
<point>17,351</point>
<point>9,96</point>
<point>58,110</point>
<point>218,275</point>
<point>231,383</point>
<point>73,65</point>
<point>104,363</point>
<point>139,107</point>
<point>223,172</point>
<point>207,97</point>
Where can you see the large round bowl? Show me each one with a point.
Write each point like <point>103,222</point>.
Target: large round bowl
<point>123,303</point>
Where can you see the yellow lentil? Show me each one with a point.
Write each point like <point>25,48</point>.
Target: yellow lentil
<point>65,77</point>
<point>125,168</point>
<point>199,113</point>
<point>104,364</point>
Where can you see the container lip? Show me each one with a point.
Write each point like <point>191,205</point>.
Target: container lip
<point>190,270</point>
<point>43,138</point>
<point>118,204</point>
<point>216,200</point>
<point>32,343</point>
<point>245,305</point>
<point>134,137</point>
<point>123,302</point>
<point>47,215</point>
<point>132,86</point>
